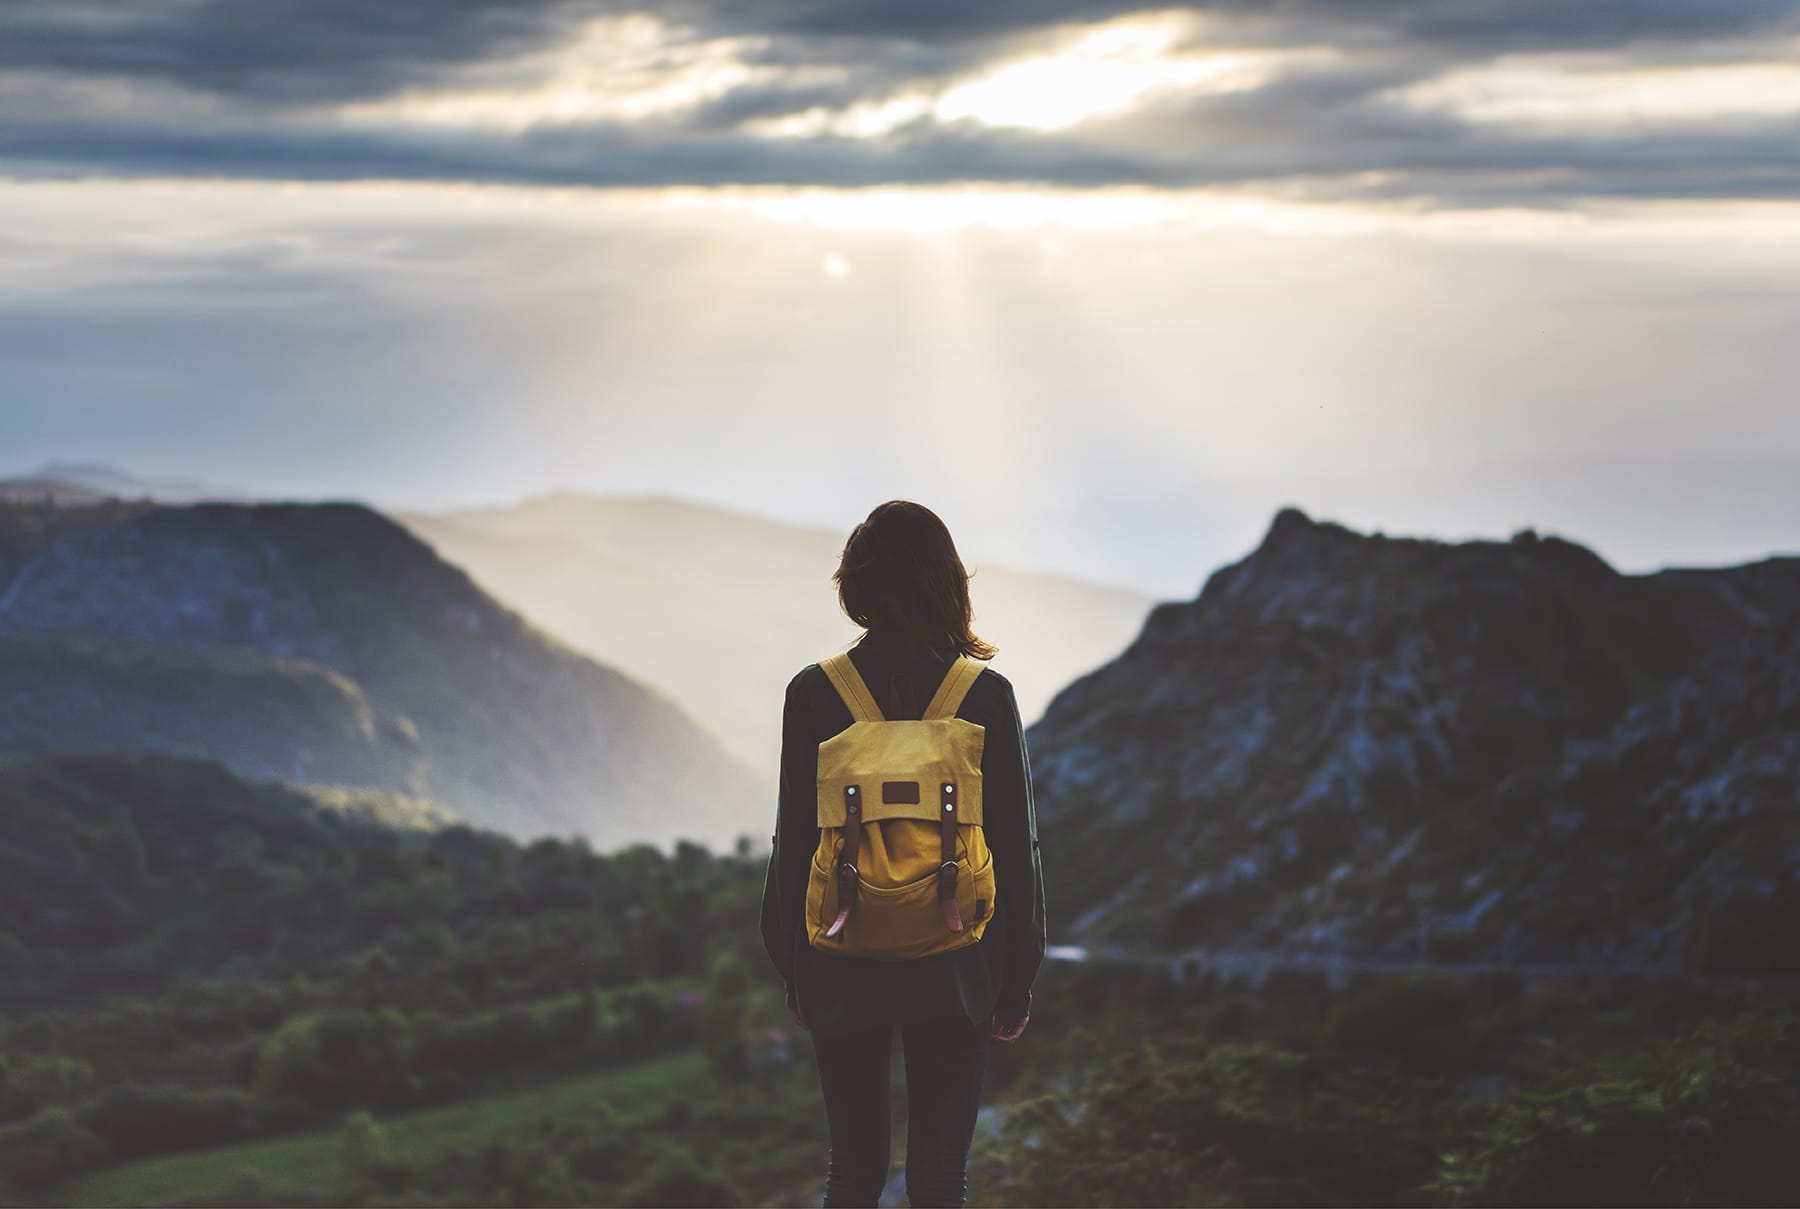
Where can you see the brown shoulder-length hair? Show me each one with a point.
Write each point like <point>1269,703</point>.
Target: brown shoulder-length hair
<point>900,572</point>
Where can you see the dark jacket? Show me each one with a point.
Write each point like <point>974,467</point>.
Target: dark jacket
<point>992,976</point>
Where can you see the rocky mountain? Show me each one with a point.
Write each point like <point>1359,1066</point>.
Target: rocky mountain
<point>720,608</point>
<point>326,644</point>
<point>1486,751</point>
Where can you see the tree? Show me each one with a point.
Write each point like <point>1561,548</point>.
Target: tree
<point>363,1151</point>
<point>724,1015</point>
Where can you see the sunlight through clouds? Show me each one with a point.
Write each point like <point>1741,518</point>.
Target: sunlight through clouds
<point>1096,71</point>
<point>863,120</point>
<point>1107,69</point>
<point>1550,92</point>
<point>622,68</point>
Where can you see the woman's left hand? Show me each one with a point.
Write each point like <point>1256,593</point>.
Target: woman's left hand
<point>1007,1033</point>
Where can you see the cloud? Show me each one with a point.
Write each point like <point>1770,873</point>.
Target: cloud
<point>267,52</point>
<point>1501,103</point>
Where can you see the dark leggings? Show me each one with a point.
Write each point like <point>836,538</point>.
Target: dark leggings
<point>946,1061</point>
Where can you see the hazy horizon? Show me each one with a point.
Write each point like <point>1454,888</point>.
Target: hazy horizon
<point>1164,581</point>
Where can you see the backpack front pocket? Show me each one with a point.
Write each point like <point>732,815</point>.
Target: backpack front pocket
<point>898,923</point>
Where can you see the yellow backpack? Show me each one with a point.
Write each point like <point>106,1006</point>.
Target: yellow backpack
<point>903,868</point>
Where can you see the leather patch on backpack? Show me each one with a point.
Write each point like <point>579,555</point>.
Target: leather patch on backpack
<point>899,791</point>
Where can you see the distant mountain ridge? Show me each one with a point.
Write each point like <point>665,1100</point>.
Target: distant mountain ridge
<point>325,644</point>
<point>721,607</point>
<point>1485,751</point>
<point>89,482</point>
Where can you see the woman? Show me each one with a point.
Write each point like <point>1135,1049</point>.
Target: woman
<point>900,579</point>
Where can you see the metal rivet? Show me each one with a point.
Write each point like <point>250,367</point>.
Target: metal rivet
<point>852,808</point>
<point>852,789</point>
<point>949,789</point>
<point>948,806</point>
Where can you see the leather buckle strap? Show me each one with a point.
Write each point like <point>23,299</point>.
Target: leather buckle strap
<point>846,870</point>
<point>947,850</point>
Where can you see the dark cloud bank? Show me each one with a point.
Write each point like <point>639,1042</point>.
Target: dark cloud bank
<point>269,73</point>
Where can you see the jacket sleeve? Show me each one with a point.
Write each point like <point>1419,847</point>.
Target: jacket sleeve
<point>1018,869</point>
<point>796,833</point>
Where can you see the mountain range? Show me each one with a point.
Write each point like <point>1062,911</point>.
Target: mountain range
<point>714,606</point>
<point>1351,745</point>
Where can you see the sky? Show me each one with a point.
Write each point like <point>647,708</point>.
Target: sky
<point>1105,285</point>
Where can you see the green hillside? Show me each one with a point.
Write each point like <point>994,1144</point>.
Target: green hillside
<point>201,973</point>
<point>303,1161</point>
<point>312,999</point>
<point>119,872</point>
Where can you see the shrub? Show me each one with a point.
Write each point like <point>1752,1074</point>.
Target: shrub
<point>486,1043</point>
<point>47,1149</point>
<point>677,1179</point>
<point>136,1120</point>
<point>333,1058</point>
<point>724,1017</point>
<point>1419,1024</point>
<point>364,1154</point>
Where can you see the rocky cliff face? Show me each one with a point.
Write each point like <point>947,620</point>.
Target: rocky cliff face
<point>324,643</point>
<point>1487,751</point>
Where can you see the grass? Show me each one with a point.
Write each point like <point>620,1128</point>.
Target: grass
<point>310,1160</point>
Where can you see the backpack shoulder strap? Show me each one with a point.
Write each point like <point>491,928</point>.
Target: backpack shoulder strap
<point>849,685</point>
<point>957,682</point>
